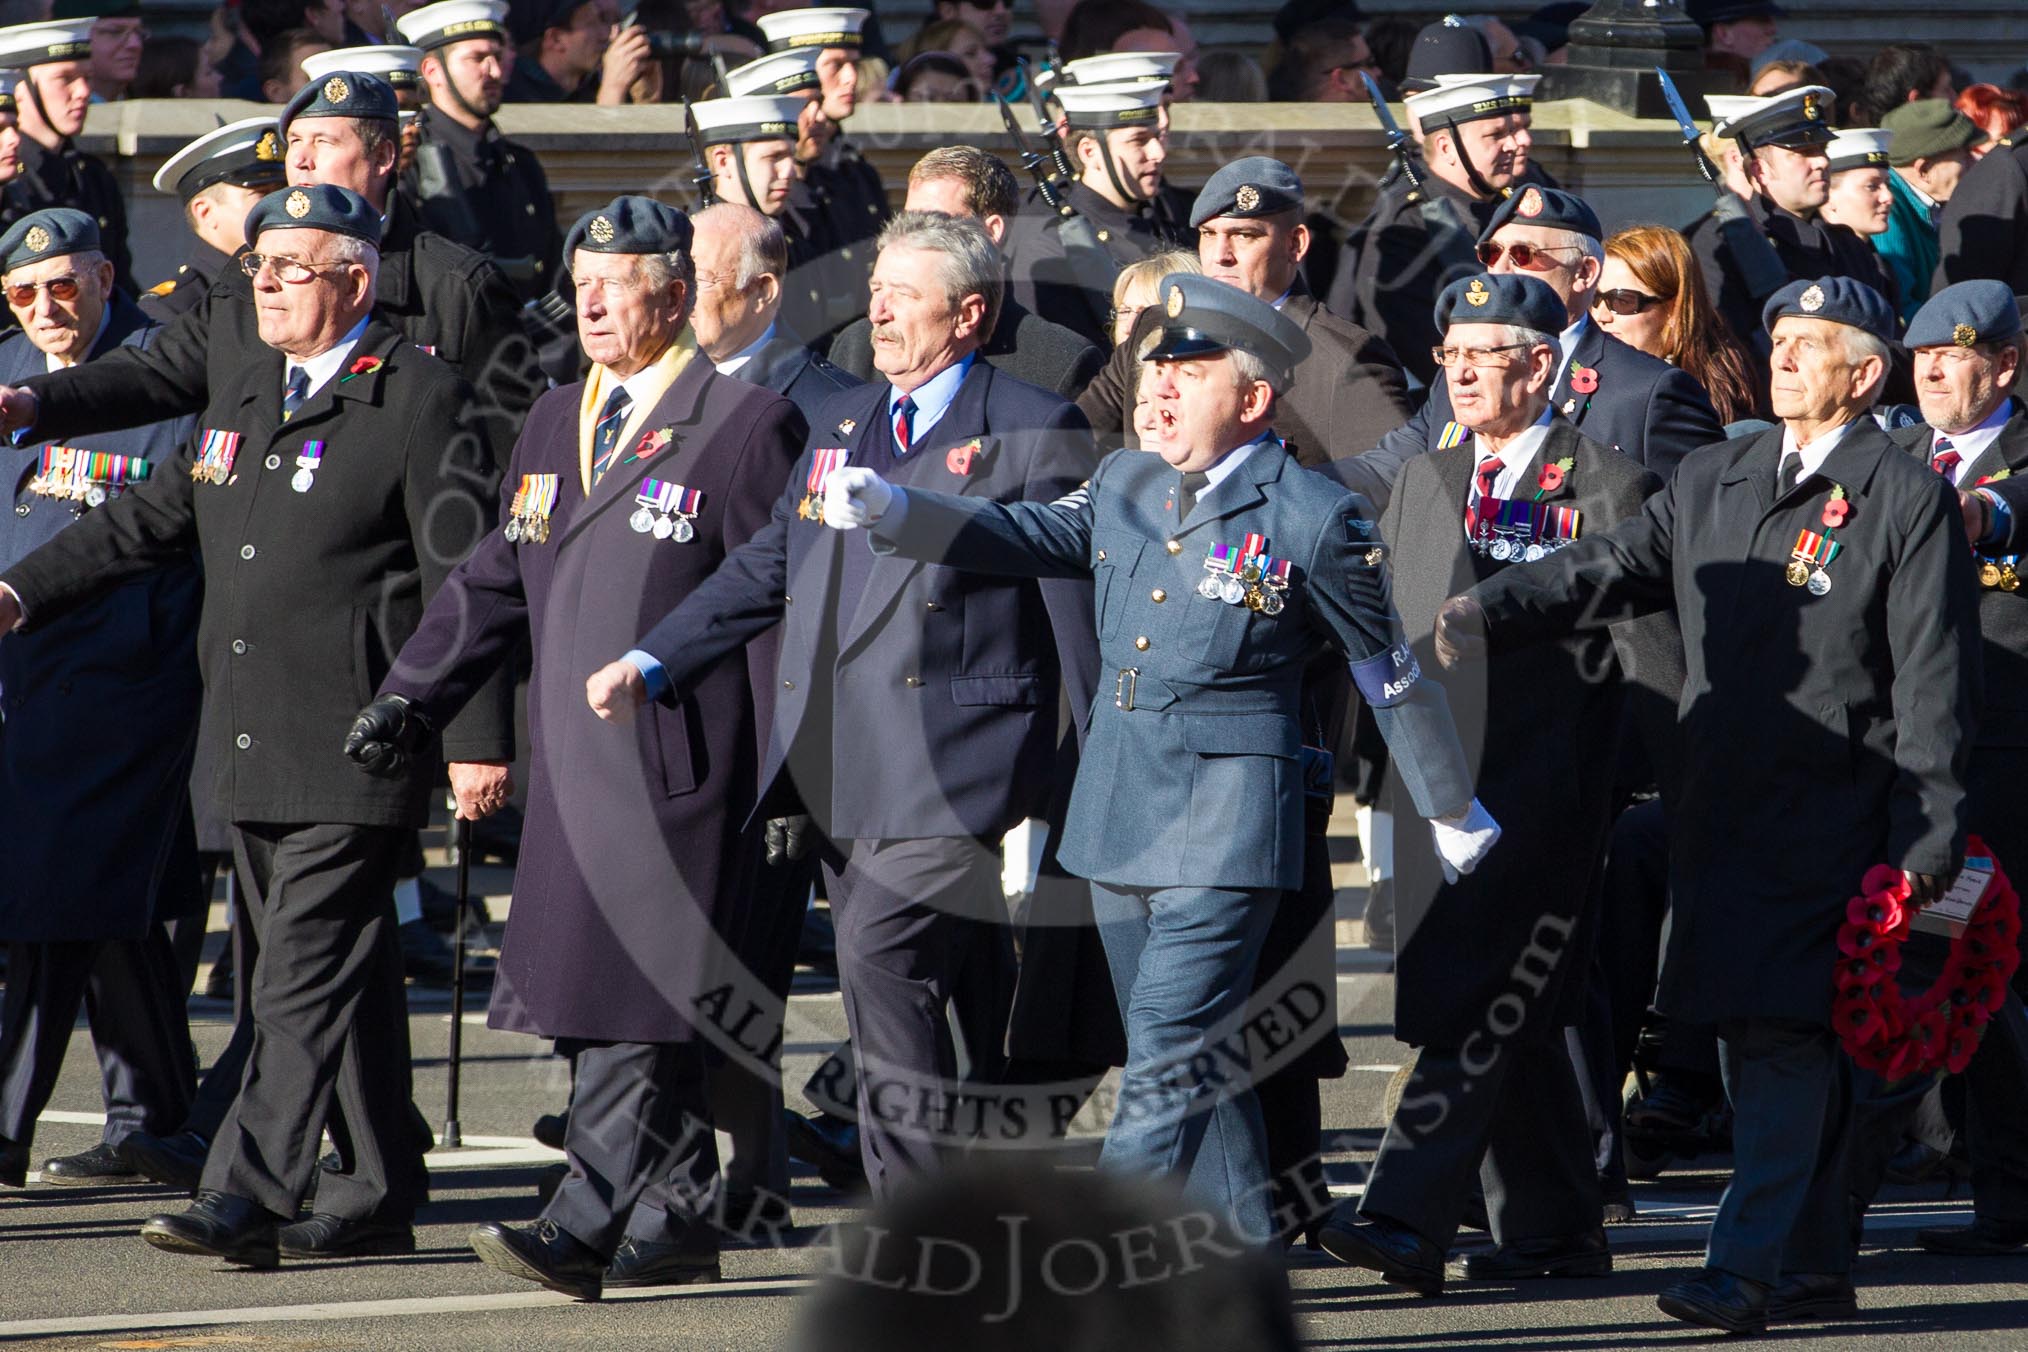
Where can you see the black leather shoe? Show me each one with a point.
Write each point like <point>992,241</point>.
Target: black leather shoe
<point>828,1144</point>
<point>101,1166</point>
<point>218,1225</point>
<point>341,1237</point>
<point>13,1165</point>
<point>644,1262</point>
<point>1617,1208</point>
<point>548,1130</point>
<point>1717,1299</point>
<point>174,1161</point>
<point>1400,1255</point>
<point>1812,1298</point>
<point>542,1253</point>
<point>1983,1238</point>
<point>1568,1256</point>
<point>550,1180</point>
<point>755,1216</point>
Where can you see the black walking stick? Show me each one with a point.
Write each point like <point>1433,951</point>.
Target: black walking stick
<point>453,1138</point>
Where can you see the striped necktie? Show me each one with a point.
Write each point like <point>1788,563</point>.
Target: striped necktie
<point>606,433</point>
<point>1944,460</point>
<point>296,393</point>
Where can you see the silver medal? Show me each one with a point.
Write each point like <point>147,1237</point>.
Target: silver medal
<point>642,520</point>
<point>95,496</point>
<point>301,480</point>
<point>1533,553</point>
<point>512,530</point>
<point>1502,550</point>
<point>662,528</point>
<point>684,531</point>
<point>1271,604</point>
<point>1232,591</point>
<point>1820,582</point>
<point>1208,588</point>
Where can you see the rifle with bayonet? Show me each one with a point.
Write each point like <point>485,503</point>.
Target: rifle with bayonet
<point>1453,243</point>
<point>707,191</point>
<point>1092,266</point>
<point>1759,268</point>
<point>1052,141</point>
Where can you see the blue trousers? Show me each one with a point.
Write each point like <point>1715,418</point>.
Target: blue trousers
<point>1182,961</point>
<point>1786,1209</point>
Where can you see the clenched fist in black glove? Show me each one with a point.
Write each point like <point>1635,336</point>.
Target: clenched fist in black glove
<point>789,838</point>
<point>383,734</point>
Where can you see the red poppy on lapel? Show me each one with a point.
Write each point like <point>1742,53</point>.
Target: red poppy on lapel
<point>364,366</point>
<point>960,459</point>
<point>1584,379</point>
<point>654,441</point>
<point>1836,508</point>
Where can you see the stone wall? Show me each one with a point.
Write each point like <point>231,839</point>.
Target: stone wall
<point>1631,170</point>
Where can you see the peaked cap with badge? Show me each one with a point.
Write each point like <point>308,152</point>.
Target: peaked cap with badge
<point>247,153</point>
<point>1203,317</point>
<point>1793,118</point>
<point>1859,148</point>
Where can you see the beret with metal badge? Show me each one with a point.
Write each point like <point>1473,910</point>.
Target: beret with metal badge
<point>1838,299</point>
<point>1254,185</point>
<point>629,224</point>
<point>1966,314</point>
<point>50,233</point>
<point>1502,298</point>
<point>316,206</point>
<point>345,93</point>
<point>1550,208</point>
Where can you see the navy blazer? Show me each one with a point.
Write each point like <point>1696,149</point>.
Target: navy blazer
<point>1641,406</point>
<point>98,709</point>
<point>796,373</point>
<point>932,709</point>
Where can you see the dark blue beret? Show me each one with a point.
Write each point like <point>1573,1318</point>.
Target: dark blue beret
<point>49,233</point>
<point>1965,315</point>
<point>315,206</point>
<point>1838,299</point>
<point>1550,208</point>
<point>629,225</point>
<point>1502,298</point>
<point>345,93</point>
<point>1252,186</point>
<point>1201,318</point>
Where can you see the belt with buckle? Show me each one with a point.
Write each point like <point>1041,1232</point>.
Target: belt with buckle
<point>1123,687</point>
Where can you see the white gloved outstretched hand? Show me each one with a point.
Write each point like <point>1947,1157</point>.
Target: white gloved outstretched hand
<point>855,496</point>
<point>1463,840</point>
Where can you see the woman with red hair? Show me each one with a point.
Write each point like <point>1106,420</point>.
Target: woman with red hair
<point>1996,111</point>
<point>1651,296</point>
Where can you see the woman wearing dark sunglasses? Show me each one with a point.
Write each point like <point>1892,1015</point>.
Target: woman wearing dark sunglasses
<point>1651,296</point>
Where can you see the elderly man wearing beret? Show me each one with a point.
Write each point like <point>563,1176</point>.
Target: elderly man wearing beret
<point>99,847</point>
<point>1222,568</point>
<point>1968,354</point>
<point>332,484</point>
<point>626,491</point>
<point>1487,970</point>
<point>1829,613</point>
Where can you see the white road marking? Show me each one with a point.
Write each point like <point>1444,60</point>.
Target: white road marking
<point>325,1311</point>
<point>478,1152</point>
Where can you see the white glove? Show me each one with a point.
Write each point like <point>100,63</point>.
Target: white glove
<point>855,496</point>
<point>1463,840</point>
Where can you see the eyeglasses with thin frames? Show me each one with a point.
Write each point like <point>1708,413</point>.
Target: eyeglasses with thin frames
<point>291,270</point>
<point>1534,257</point>
<point>21,295</point>
<point>1479,358</point>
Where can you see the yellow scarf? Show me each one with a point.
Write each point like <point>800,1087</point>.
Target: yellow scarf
<point>648,392</point>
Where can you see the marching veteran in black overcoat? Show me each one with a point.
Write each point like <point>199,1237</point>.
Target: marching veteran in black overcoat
<point>332,485</point>
<point>625,491</point>
<point>98,714</point>
<point>1522,484</point>
<point>1828,606</point>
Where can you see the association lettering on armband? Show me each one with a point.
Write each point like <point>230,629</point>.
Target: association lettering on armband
<point>1386,678</point>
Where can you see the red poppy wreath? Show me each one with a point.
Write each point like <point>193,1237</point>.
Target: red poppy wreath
<point>1884,1029</point>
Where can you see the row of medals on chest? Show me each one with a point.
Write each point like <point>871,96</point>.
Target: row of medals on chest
<point>1246,575</point>
<point>663,510</point>
<point>83,478</point>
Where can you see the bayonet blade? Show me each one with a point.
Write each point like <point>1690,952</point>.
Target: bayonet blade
<point>1681,111</point>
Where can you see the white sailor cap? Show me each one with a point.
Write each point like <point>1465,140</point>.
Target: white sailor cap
<point>1467,98</point>
<point>1114,66</point>
<point>790,72</point>
<point>248,152</point>
<point>1123,103</point>
<point>1859,148</point>
<point>439,25</point>
<point>401,67</point>
<point>788,28</point>
<point>1726,106</point>
<point>37,44</point>
<point>757,117</point>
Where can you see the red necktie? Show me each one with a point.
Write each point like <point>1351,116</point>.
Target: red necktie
<point>1945,460</point>
<point>904,418</point>
<point>1489,470</point>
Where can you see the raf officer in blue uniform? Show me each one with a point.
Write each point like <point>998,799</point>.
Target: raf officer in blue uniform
<point>97,812</point>
<point>1221,568</point>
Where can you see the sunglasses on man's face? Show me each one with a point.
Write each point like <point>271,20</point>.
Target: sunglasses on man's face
<point>21,295</point>
<point>1534,257</point>
<point>1624,300</point>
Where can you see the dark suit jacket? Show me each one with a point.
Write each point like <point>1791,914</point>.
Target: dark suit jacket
<point>797,374</point>
<point>1024,345</point>
<point>1539,726</point>
<point>308,595</point>
<point>98,709</point>
<point>1820,735</point>
<point>931,710</point>
<point>1642,407</point>
<point>1983,231</point>
<point>632,856</point>
<point>1350,388</point>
